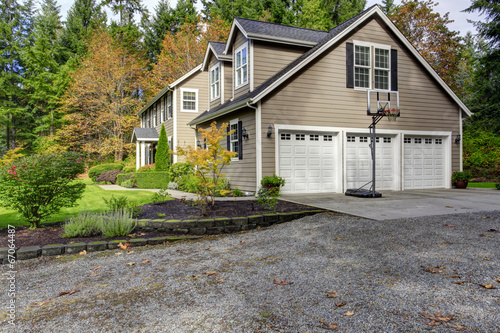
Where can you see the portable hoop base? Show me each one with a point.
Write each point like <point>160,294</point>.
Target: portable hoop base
<point>362,193</point>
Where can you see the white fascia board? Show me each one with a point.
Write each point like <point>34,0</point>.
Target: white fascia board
<point>281,40</point>
<point>185,76</point>
<point>205,59</point>
<point>347,31</point>
<point>219,113</point>
<point>147,139</point>
<point>235,26</point>
<point>154,99</point>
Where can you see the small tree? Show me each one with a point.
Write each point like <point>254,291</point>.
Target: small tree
<point>38,186</point>
<point>162,156</point>
<point>209,162</point>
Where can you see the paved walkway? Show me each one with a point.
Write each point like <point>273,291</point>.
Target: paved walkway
<point>403,204</point>
<point>173,193</point>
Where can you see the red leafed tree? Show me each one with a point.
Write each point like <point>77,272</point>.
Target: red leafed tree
<point>184,50</point>
<point>428,32</point>
<point>103,99</point>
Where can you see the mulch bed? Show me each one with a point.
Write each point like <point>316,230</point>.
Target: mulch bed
<point>173,210</point>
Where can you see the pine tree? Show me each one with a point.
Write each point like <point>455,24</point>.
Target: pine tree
<point>162,156</point>
<point>387,6</point>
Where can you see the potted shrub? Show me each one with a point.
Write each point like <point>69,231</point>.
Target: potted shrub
<point>272,183</point>
<point>461,178</point>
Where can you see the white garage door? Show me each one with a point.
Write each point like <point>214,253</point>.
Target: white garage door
<point>423,162</point>
<point>307,162</point>
<point>359,161</point>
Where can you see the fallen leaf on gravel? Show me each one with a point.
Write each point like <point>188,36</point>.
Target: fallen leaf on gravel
<point>450,225</point>
<point>493,230</point>
<point>331,294</point>
<point>485,217</point>
<point>487,259</point>
<point>145,261</point>
<point>437,319</point>
<point>97,267</point>
<point>281,282</point>
<point>243,242</point>
<point>339,238</point>
<point>220,281</point>
<point>455,276</point>
<point>449,206</point>
<point>328,326</point>
<point>457,327</point>
<point>349,313</point>
<point>432,270</point>
<point>458,282</point>
<point>124,246</point>
<point>211,273</point>
<point>62,293</point>
<point>488,286</point>
<point>497,280</point>
<point>341,304</point>
<point>118,253</point>
<point>94,274</point>
<point>84,252</point>
<point>131,264</point>
<point>130,252</point>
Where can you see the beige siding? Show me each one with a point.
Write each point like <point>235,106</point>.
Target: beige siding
<point>185,134</point>
<point>242,173</point>
<point>240,40</point>
<point>270,58</point>
<point>318,96</point>
<point>169,123</point>
<point>216,102</point>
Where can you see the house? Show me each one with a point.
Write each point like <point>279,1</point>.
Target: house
<point>175,106</point>
<point>298,99</point>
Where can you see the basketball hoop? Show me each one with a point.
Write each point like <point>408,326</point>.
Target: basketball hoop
<point>391,114</point>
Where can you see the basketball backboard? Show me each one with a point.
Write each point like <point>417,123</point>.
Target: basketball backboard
<point>382,102</point>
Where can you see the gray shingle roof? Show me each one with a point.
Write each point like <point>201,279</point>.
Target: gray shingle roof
<point>218,47</point>
<point>145,133</point>
<point>247,97</point>
<point>281,31</point>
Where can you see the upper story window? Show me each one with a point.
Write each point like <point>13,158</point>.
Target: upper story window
<point>371,66</point>
<point>189,100</point>
<point>148,118</point>
<point>155,114</point>
<point>169,105</point>
<point>162,109</point>
<point>215,82</point>
<point>241,65</point>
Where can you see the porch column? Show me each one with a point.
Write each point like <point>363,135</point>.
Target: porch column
<point>143,153</point>
<point>137,155</point>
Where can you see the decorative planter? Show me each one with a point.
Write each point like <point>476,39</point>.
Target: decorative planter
<point>461,184</point>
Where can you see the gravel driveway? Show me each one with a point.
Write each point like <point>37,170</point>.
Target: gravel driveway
<point>405,275</point>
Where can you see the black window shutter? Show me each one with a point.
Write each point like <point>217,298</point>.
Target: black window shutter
<point>394,70</point>
<point>228,138</point>
<point>349,60</point>
<point>240,140</point>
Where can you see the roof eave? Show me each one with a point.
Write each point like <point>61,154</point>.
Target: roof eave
<point>232,32</point>
<point>281,40</point>
<point>219,113</point>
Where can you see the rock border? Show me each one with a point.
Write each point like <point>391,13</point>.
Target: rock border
<point>189,229</point>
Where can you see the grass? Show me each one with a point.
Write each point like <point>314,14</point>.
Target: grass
<point>482,185</point>
<point>92,201</point>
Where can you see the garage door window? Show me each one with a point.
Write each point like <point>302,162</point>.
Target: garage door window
<point>314,137</point>
<point>285,136</point>
<point>300,137</point>
<point>327,137</point>
<point>439,141</point>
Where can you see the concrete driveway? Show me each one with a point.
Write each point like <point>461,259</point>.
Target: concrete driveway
<point>415,203</point>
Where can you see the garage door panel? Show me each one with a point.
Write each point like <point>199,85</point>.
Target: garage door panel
<point>423,163</point>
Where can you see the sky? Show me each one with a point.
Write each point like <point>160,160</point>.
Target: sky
<point>454,7</point>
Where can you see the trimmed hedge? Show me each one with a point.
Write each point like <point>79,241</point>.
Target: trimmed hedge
<point>109,176</point>
<point>123,177</point>
<point>95,171</point>
<point>159,179</point>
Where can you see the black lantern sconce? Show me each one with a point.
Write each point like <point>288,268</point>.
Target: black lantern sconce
<point>270,131</point>
<point>198,143</point>
<point>244,134</point>
<point>458,138</point>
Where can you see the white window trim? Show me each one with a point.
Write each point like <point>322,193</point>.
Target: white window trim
<point>212,98</point>
<point>162,109</point>
<point>239,49</point>
<point>183,90</point>
<point>234,122</point>
<point>372,47</point>
<point>169,116</point>
<point>154,114</point>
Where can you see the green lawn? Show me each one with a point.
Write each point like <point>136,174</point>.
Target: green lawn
<point>482,185</point>
<point>91,201</point>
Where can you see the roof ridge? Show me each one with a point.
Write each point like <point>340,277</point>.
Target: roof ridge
<point>280,24</point>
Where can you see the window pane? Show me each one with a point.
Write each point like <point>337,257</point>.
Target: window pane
<point>362,77</point>
<point>188,95</point>
<point>245,73</point>
<point>238,59</point>
<point>244,56</point>
<point>238,77</point>
<point>381,58</point>
<point>217,74</point>
<point>381,79</point>
<point>187,105</point>
<point>362,55</point>
<point>234,136</point>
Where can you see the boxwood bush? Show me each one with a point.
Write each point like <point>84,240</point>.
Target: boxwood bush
<point>95,171</point>
<point>159,179</point>
<point>125,176</point>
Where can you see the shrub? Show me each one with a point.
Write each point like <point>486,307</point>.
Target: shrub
<point>128,183</point>
<point>116,223</point>
<point>153,179</point>
<point>178,170</point>
<point>129,169</point>
<point>161,195</point>
<point>147,168</point>
<point>120,178</point>
<point>117,203</point>
<point>237,192</point>
<point>222,187</point>
<point>83,225</point>
<point>38,186</point>
<point>459,175</point>
<point>95,171</point>
<point>162,156</point>
<point>109,176</point>
<point>189,183</point>
<point>172,186</point>
<point>497,185</point>
<point>270,191</point>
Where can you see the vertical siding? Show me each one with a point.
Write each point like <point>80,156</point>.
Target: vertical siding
<point>318,96</point>
<point>185,134</point>
<point>242,173</point>
<point>240,40</point>
<point>270,58</point>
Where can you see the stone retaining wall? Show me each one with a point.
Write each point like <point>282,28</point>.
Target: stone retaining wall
<point>190,229</point>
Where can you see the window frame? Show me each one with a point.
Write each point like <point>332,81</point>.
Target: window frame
<point>169,105</point>
<point>183,90</point>
<point>372,67</point>
<point>216,83</point>
<point>236,68</point>
<point>234,142</point>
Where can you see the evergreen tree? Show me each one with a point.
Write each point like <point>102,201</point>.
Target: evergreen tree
<point>387,6</point>
<point>82,18</point>
<point>162,156</point>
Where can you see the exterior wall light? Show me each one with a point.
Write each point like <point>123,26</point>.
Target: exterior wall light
<point>269,131</point>
<point>244,134</point>
<point>458,138</point>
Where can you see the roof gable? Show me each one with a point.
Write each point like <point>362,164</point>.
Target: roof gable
<point>217,49</point>
<point>145,134</point>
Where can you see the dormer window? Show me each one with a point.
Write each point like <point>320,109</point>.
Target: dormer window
<point>241,65</point>
<point>215,82</point>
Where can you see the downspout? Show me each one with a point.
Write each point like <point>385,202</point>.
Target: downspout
<point>258,145</point>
